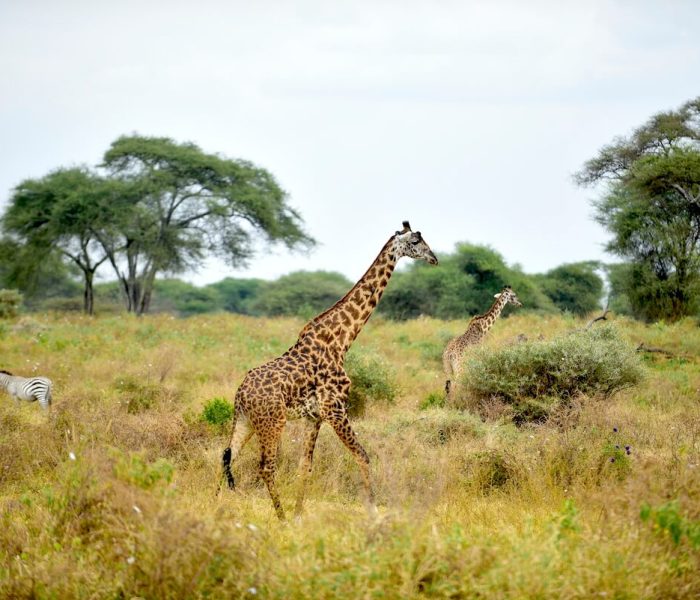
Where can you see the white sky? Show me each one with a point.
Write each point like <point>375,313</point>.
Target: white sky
<point>467,118</point>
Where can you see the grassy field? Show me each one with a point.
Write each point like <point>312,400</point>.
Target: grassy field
<point>113,495</point>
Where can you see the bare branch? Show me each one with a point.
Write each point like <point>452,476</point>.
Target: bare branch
<point>603,317</point>
<point>643,348</point>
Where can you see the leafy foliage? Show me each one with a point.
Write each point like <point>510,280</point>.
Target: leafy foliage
<point>433,400</point>
<point>10,301</point>
<point>238,295</point>
<point>184,298</point>
<point>463,285</point>
<point>302,293</point>
<point>371,381</point>
<point>135,469</point>
<point>546,374</point>
<point>651,205</point>
<point>667,518</point>
<point>575,287</point>
<point>217,412</point>
<point>155,206</point>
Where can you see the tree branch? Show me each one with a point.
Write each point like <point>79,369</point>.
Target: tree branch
<point>603,317</point>
<point>643,348</point>
<point>686,194</point>
<point>186,222</point>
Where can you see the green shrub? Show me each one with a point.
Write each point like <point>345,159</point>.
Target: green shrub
<point>133,468</point>
<point>10,301</point>
<point>217,412</point>
<point>536,377</point>
<point>668,519</point>
<point>371,380</point>
<point>433,400</point>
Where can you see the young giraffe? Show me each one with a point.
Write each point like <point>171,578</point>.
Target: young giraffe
<point>477,329</point>
<point>308,381</point>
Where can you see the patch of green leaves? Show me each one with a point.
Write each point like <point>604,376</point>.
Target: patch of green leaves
<point>217,412</point>
<point>668,519</point>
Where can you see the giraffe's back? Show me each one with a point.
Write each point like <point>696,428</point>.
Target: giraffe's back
<point>285,385</point>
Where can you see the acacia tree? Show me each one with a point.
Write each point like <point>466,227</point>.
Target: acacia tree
<point>59,212</point>
<point>157,206</point>
<point>651,205</point>
<point>187,203</point>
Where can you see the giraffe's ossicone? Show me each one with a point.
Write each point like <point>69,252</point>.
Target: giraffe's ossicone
<point>453,355</point>
<point>309,381</point>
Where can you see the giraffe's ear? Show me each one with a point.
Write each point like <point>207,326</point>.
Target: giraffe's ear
<point>497,295</point>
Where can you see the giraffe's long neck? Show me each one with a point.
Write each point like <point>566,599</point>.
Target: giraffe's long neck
<point>338,327</point>
<point>487,320</point>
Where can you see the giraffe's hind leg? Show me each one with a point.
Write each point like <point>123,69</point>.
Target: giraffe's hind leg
<point>312,429</point>
<point>268,425</point>
<point>268,469</point>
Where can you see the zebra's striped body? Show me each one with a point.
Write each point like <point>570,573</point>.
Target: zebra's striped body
<point>27,388</point>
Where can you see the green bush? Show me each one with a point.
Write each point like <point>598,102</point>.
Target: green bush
<point>433,400</point>
<point>668,519</point>
<point>536,377</point>
<point>10,301</point>
<point>371,380</point>
<point>135,469</point>
<point>217,412</point>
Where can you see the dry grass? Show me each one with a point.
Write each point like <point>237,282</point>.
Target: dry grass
<point>468,508</point>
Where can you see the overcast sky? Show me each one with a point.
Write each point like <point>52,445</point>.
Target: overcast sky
<point>467,118</point>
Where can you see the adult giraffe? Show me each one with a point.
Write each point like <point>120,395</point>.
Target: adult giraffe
<point>308,381</point>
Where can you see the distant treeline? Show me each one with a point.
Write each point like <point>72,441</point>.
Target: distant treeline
<point>463,285</point>
<point>155,207</point>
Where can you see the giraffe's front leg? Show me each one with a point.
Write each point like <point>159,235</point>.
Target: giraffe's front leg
<point>310,437</point>
<point>341,425</point>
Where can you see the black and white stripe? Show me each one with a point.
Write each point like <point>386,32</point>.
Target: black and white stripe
<point>27,388</point>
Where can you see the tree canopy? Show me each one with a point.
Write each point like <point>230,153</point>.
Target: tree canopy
<point>153,206</point>
<point>302,293</point>
<point>574,287</point>
<point>651,205</point>
<point>464,285</point>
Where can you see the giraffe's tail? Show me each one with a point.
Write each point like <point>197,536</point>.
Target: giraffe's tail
<point>226,463</point>
<point>226,459</point>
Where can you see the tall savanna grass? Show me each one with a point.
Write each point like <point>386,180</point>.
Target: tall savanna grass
<point>113,493</point>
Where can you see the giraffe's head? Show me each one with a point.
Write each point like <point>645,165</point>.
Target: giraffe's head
<point>511,298</point>
<point>411,243</point>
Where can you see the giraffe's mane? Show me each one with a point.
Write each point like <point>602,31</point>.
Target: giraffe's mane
<point>483,315</point>
<point>347,295</point>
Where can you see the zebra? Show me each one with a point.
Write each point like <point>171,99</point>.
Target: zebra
<point>27,388</point>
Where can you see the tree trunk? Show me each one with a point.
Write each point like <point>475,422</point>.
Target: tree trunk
<point>89,294</point>
<point>148,283</point>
